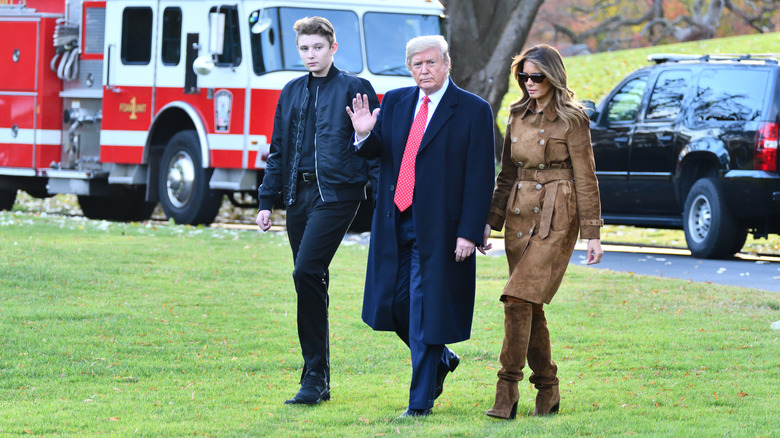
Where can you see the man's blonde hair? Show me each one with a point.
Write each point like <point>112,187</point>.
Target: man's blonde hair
<point>425,42</point>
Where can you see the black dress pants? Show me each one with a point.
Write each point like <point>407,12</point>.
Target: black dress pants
<point>315,229</point>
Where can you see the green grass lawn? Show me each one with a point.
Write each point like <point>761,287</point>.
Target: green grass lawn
<point>134,329</point>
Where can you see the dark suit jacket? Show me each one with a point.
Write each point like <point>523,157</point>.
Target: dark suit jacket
<point>455,173</point>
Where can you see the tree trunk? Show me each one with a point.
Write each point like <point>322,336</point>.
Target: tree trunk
<point>484,36</point>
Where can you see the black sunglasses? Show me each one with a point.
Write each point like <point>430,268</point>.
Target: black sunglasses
<point>537,78</point>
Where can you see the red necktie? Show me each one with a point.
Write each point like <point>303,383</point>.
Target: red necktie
<point>404,190</point>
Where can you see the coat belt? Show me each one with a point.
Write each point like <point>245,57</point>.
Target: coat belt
<point>544,176</point>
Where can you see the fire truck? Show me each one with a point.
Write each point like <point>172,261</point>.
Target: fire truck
<point>131,103</point>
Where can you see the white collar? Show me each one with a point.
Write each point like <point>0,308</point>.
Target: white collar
<point>437,95</point>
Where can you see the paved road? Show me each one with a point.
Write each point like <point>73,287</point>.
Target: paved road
<point>760,272</point>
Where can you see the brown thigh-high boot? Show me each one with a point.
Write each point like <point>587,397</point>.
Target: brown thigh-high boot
<point>540,361</point>
<point>517,329</point>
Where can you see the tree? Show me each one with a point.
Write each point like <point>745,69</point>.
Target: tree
<point>484,36</point>
<point>619,24</point>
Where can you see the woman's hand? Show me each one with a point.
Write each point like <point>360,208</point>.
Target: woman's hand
<point>594,252</point>
<point>485,247</point>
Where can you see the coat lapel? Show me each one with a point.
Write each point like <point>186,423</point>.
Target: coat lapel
<point>406,105</point>
<point>444,111</point>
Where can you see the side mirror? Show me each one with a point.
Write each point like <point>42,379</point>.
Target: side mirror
<point>590,109</point>
<point>217,33</point>
<point>260,22</point>
<point>203,65</point>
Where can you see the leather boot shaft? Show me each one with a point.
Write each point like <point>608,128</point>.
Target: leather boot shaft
<point>517,329</point>
<point>545,371</point>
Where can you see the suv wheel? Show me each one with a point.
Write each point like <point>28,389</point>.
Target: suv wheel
<point>710,231</point>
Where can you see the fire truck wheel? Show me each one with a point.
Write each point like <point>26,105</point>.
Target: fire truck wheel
<point>126,206</point>
<point>183,183</point>
<point>7,198</point>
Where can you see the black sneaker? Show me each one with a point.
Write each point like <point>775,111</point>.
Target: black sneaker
<point>314,389</point>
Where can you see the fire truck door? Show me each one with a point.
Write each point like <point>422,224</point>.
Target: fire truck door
<point>129,77</point>
<point>18,92</point>
<point>224,88</point>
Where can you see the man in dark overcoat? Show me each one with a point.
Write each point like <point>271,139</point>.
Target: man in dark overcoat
<point>420,280</point>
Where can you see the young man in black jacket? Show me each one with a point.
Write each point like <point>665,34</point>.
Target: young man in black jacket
<point>312,167</point>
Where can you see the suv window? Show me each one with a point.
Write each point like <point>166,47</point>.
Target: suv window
<point>668,94</point>
<point>730,95</point>
<point>625,103</point>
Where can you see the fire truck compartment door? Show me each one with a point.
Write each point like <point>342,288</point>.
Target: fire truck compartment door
<point>18,55</point>
<point>17,132</point>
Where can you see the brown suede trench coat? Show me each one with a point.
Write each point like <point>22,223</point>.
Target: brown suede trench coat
<point>546,191</point>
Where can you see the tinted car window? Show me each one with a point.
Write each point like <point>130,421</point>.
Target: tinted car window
<point>667,98</point>
<point>624,105</point>
<point>730,95</point>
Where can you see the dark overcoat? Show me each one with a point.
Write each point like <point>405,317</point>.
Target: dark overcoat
<point>454,178</point>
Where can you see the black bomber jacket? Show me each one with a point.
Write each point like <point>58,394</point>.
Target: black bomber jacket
<point>341,175</point>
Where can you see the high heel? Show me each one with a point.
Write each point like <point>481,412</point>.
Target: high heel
<point>513,414</point>
<point>548,401</point>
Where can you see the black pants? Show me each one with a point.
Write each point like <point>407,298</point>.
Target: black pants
<point>315,229</point>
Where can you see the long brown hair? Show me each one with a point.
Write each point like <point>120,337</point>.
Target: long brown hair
<point>550,63</point>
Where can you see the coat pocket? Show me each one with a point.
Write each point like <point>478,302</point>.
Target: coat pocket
<point>565,207</point>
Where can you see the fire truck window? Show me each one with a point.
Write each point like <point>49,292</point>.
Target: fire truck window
<point>266,46</point>
<point>348,56</point>
<point>386,38</point>
<point>231,51</point>
<point>136,36</point>
<point>171,36</point>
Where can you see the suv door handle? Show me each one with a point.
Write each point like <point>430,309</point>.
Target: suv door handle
<point>665,138</point>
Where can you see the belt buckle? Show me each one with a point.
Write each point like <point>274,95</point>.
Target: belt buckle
<point>308,176</point>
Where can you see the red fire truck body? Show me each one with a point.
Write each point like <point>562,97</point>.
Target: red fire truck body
<point>127,103</point>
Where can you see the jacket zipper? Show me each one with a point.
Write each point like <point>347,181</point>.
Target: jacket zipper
<point>316,171</point>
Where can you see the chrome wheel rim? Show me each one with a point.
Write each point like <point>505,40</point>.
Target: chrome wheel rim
<point>700,219</point>
<point>181,179</point>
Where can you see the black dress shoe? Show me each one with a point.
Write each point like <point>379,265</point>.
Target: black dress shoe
<point>416,412</point>
<point>314,389</point>
<point>442,370</point>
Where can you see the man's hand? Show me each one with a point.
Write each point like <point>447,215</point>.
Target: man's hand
<point>363,120</point>
<point>594,252</point>
<point>264,219</point>
<point>464,248</point>
<point>485,247</point>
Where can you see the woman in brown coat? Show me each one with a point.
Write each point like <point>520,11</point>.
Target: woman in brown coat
<point>545,193</point>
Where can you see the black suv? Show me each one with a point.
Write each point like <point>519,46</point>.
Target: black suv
<point>691,142</point>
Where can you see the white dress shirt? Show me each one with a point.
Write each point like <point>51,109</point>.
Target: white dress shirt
<point>434,97</point>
